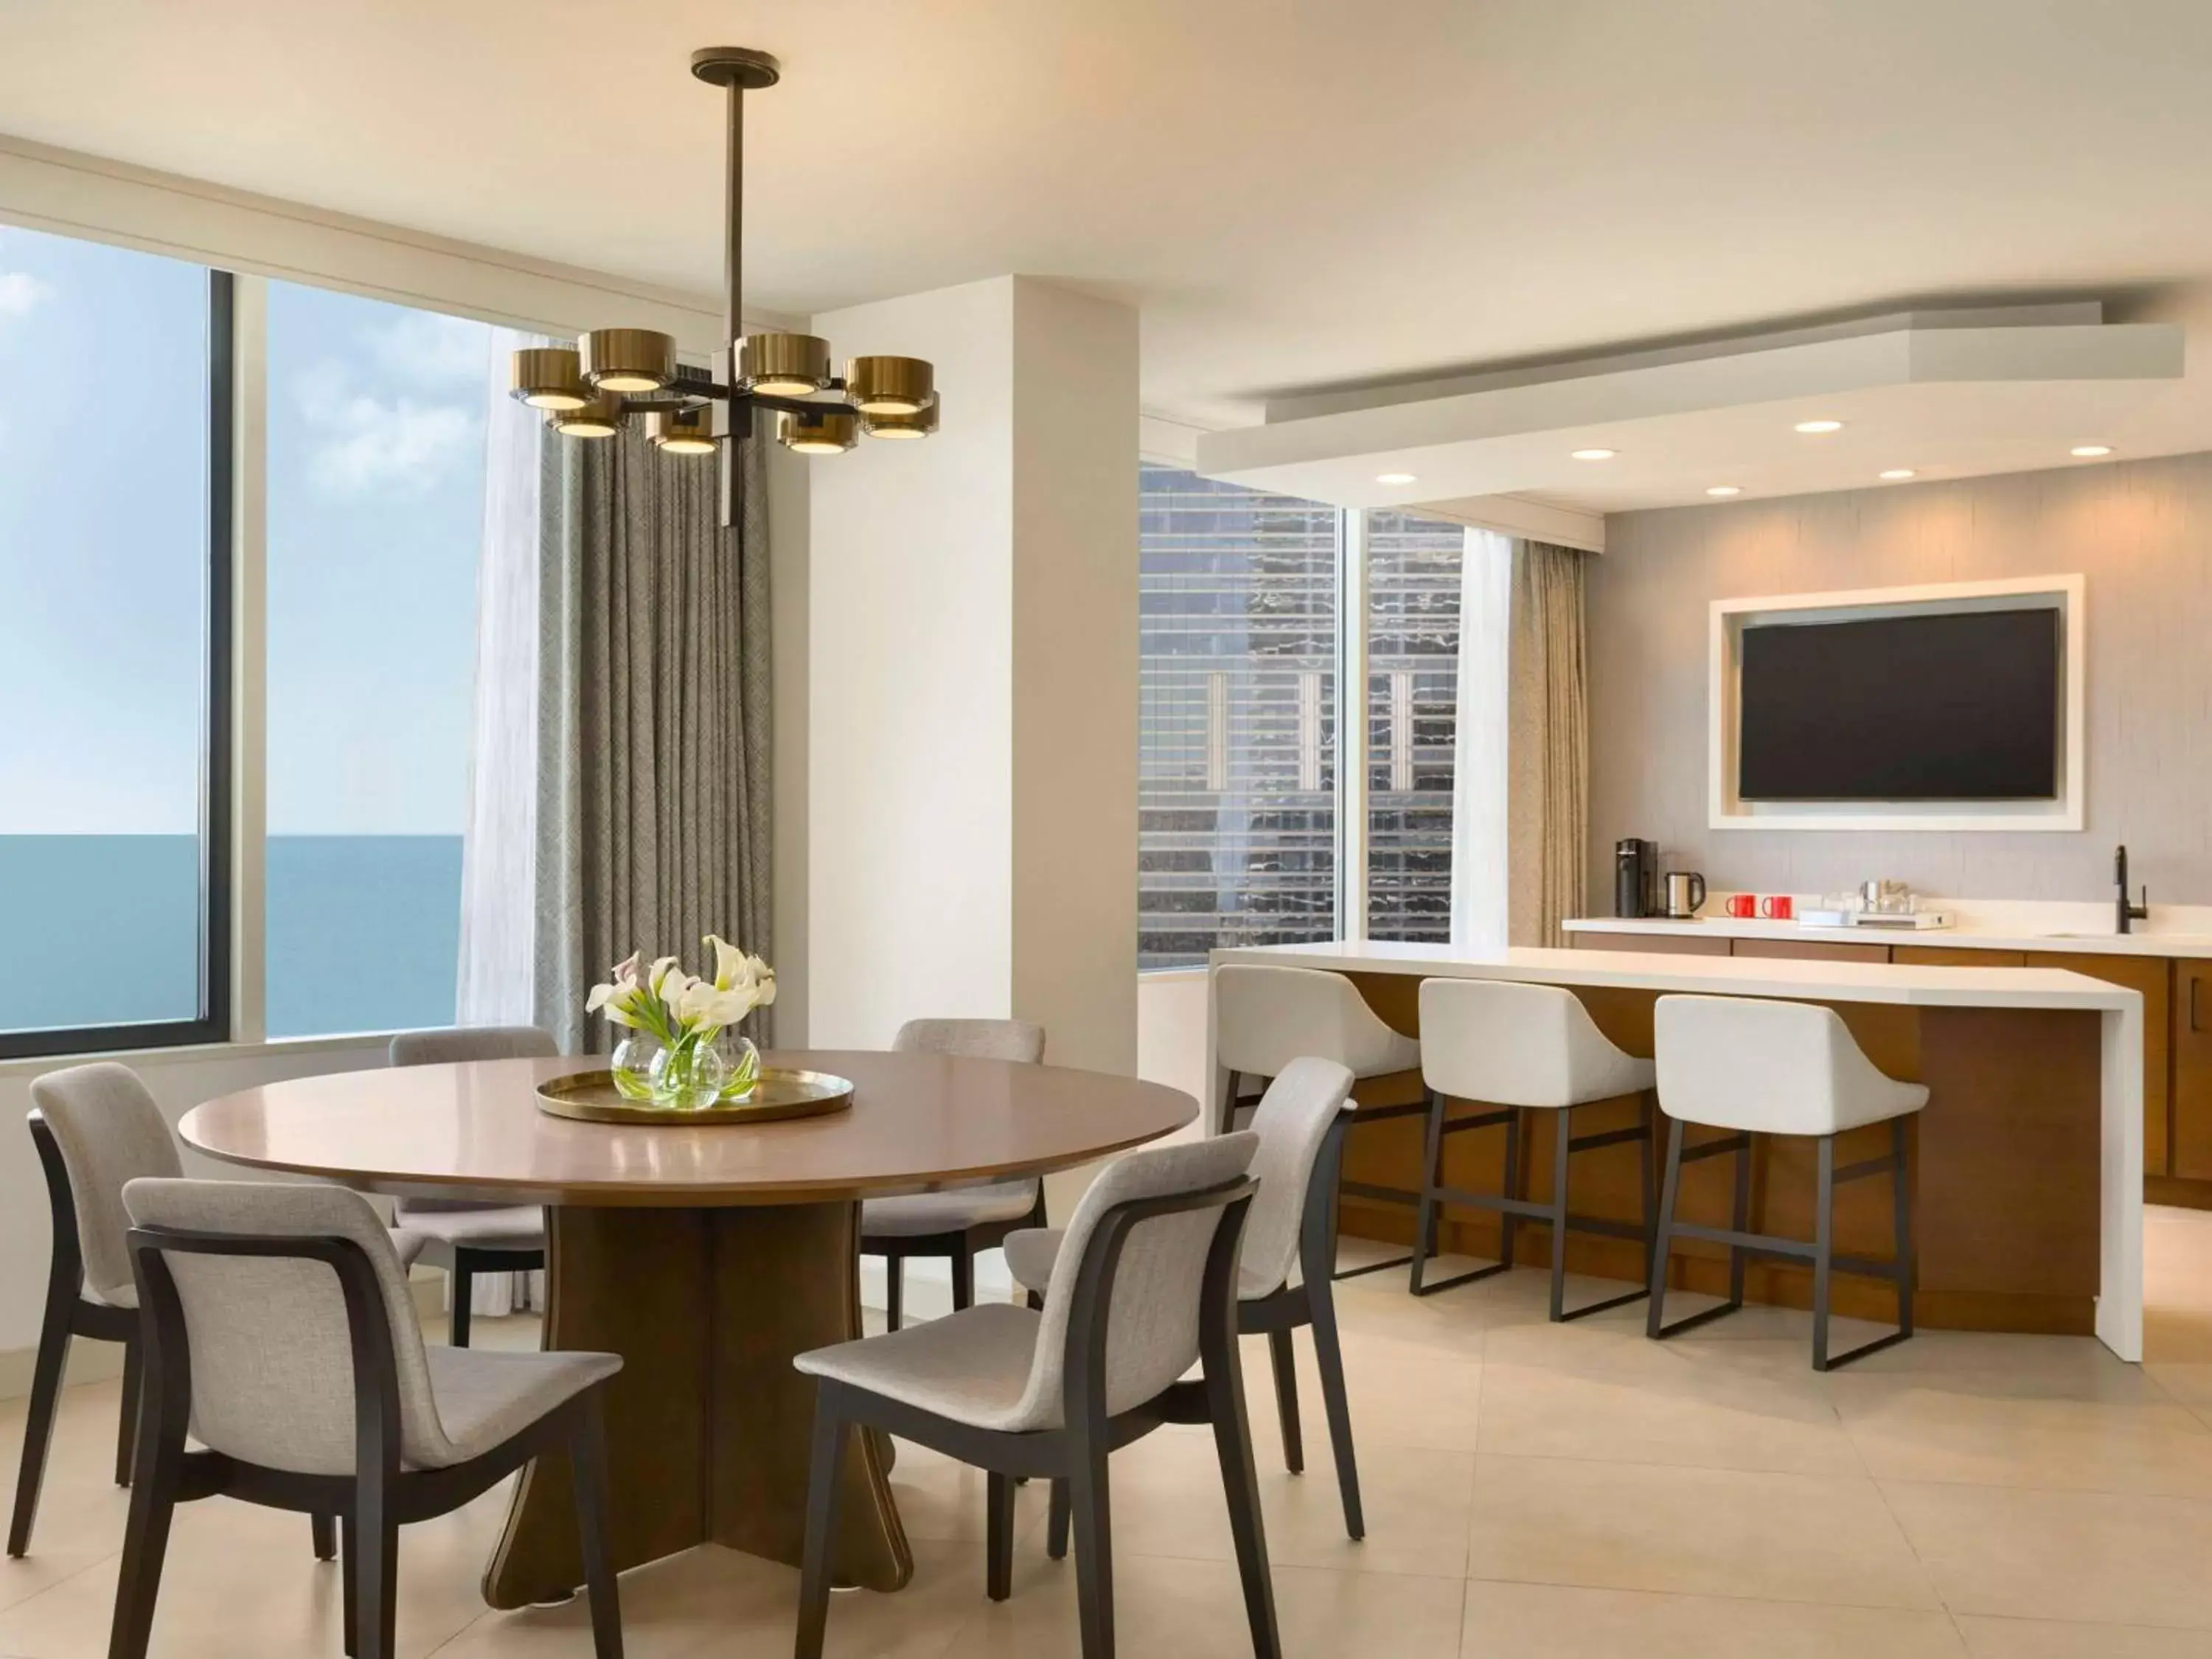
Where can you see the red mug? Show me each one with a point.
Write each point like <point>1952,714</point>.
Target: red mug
<point>1742,905</point>
<point>1776,907</point>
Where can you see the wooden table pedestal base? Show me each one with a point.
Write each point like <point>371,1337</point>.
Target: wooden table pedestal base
<point>707,1423</point>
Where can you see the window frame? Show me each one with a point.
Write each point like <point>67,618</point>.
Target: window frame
<point>212,1023</point>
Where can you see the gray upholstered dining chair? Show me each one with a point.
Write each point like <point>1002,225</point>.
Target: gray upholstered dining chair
<point>1144,1284</point>
<point>96,1127</point>
<point>280,1332</point>
<point>960,1223</point>
<point>1283,1278</point>
<point>468,1236</point>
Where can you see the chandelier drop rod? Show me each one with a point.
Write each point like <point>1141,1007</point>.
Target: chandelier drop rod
<point>728,460</point>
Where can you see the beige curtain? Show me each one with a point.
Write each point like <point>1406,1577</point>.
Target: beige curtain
<point>1547,745</point>
<point>654,774</point>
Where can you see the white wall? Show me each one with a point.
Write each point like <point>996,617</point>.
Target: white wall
<point>972,698</point>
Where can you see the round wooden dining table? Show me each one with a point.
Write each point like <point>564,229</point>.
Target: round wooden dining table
<point>707,1256</point>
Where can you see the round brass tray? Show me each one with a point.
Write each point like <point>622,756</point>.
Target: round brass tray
<point>592,1096</point>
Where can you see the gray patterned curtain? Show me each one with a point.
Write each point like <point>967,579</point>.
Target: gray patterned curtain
<point>653,820</point>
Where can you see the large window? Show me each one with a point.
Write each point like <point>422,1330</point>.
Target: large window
<point>1413,688</point>
<point>1237,788</point>
<point>1244,810</point>
<point>376,484</point>
<point>113,647</point>
<point>140,604</point>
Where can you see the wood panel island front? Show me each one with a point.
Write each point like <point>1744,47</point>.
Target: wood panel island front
<point>2027,1185</point>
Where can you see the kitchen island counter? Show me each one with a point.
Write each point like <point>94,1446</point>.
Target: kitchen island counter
<point>2028,1199</point>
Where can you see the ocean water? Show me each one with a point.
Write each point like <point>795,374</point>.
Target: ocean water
<point>363,931</point>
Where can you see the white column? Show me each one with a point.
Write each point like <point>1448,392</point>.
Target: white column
<point>972,681</point>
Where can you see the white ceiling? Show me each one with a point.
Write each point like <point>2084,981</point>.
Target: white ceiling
<point>1296,195</point>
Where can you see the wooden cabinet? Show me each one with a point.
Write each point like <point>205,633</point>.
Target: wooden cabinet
<point>1810,950</point>
<point>1939,956</point>
<point>2153,976</point>
<point>1672,945</point>
<point>2193,1069</point>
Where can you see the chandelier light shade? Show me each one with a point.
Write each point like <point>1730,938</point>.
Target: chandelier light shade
<point>681,431</point>
<point>784,365</point>
<point>628,360</point>
<point>596,417</point>
<point>921,423</point>
<point>825,431</point>
<point>888,385</point>
<point>549,377</point>
<point>613,375</point>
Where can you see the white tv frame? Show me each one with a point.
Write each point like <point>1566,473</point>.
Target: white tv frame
<point>1726,810</point>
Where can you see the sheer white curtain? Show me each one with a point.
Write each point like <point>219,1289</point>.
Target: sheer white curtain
<point>499,885</point>
<point>1480,816</point>
<point>499,845</point>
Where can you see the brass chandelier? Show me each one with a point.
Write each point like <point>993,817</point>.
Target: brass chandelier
<point>610,375</point>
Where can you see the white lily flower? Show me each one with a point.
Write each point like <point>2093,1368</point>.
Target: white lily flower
<point>704,1004</point>
<point>763,979</point>
<point>729,963</point>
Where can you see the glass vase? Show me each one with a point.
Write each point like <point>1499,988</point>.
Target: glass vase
<point>691,1075</point>
<point>744,1068</point>
<point>632,1064</point>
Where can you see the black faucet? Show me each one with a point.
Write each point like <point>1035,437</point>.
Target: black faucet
<point>2128,914</point>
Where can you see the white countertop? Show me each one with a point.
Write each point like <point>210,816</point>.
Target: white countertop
<point>1977,925</point>
<point>1750,977</point>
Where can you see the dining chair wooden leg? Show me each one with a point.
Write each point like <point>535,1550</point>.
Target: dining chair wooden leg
<point>1240,1483</point>
<point>829,1442</point>
<point>126,1422</point>
<point>146,1534</point>
<point>1316,1257</point>
<point>894,1291</point>
<point>39,1418</point>
<point>1094,1549</point>
<point>1056,1519</point>
<point>462,1288</point>
<point>1285,1359</point>
<point>375,1570</point>
<point>587,1462</point>
<point>964,1276</point>
<point>349,1560</point>
<point>1336,1402</point>
<point>999,1546</point>
<point>324,1529</point>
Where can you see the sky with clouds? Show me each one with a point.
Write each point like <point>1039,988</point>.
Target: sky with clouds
<point>374,515</point>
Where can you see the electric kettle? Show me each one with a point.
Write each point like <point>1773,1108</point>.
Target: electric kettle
<point>1685,892</point>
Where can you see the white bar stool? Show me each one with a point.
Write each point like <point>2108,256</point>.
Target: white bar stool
<point>1786,1068</point>
<point>1516,1046</point>
<point>1264,1017</point>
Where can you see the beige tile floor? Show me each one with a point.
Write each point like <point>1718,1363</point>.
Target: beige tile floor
<point>1532,1490</point>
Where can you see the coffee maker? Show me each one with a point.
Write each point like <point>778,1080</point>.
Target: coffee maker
<point>1636,878</point>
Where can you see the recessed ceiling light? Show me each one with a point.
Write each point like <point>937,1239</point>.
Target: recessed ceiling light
<point>2090,452</point>
<point>1723,489</point>
<point>1896,472</point>
<point>1816,427</point>
<point>1394,478</point>
<point>1594,454</point>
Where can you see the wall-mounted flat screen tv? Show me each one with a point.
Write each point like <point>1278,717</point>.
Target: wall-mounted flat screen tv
<point>1960,705</point>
